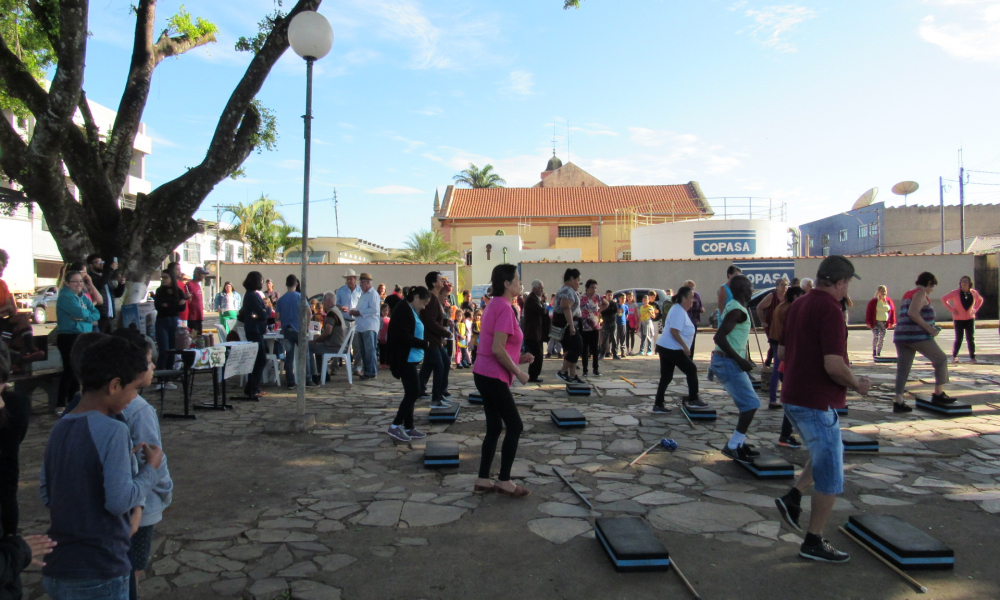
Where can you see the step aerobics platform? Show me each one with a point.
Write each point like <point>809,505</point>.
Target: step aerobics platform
<point>441,454</point>
<point>955,409</point>
<point>900,543</point>
<point>699,414</point>
<point>578,389</point>
<point>568,417</point>
<point>769,467</point>
<point>631,544</point>
<point>445,415</point>
<point>856,442</point>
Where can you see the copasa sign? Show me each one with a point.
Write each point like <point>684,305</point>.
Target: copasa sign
<point>725,243</point>
<point>766,273</point>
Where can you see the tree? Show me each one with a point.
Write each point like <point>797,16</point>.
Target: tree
<point>98,162</point>
<point>428,247</point>
<point>262,230</point>
<point>479,178</point>
<point>568,4</point>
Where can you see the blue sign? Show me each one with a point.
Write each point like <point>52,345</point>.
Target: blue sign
<point>764,273</point>
<point>725,243</point>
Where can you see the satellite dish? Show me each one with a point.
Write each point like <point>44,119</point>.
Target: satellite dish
<point>865,199</point>
<point>905,188</point>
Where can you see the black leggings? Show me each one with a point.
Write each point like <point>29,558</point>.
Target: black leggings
<point>669,359</point>
<point>498,404</point>
<point>629,338</point>
<point>411,391</point>
<point>11,435</point>
<point>590,347</point>
<point>68,385</point>
<point>572,344</point>
<point>968,327</point>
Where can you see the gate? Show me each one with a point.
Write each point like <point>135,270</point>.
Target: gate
<point>987,281</point>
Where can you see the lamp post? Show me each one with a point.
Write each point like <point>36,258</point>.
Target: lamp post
<point>311,37</point>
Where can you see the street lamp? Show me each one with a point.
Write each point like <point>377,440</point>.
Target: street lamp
<point>311,37</point>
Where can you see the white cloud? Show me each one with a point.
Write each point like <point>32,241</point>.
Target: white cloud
<point>594,129</point>
<point>971,32</point>
<point>455,42</point>
<point>394,190</point>
<point>411,145</point>
<point>431,111</point>
<point>772,24</point>
<point>520,82</point>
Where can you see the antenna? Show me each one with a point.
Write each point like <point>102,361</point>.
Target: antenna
<point>567,140</point>
<point>553,138</point>
<point>905,188</point>
<point>336,216</point>
<point>865,199</point>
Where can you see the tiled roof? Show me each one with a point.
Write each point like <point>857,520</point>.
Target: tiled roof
<point>464,203</point>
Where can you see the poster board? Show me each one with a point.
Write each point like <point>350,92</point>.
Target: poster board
<point>242,356</point>
<point>142,315</point>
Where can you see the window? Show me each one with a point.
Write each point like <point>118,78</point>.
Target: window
<point>862,231</point>
<point>192,252</point>
<point>213,247</point>
<point>825,239</point>
<point>570,231</point>
<point>873,229</point>
<point>45,224</point>
<point>625,255</point>
<point>239,252</point>
<point>229,253</point>
<point>842,236</point>
<point>826,251</point>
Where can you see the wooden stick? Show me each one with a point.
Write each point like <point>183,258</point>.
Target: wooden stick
<point>684,580</point>
<point>993,405</point>
<point>572,487</point>
<point>684,412</point>
<point>648,450</point>
<point>600,394</point>
<point>916,584</point>
<point>626,381</point>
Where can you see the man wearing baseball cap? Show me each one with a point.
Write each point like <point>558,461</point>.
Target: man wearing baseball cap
<point>367,323</point>
<point>347,301</point>
<point>196,305</point>
<point>813,349</point>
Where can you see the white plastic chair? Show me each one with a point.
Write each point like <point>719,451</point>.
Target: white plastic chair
<point>271,365</point>
<point>345,353</point>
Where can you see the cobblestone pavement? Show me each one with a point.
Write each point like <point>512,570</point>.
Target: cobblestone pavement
<point>343,512</point>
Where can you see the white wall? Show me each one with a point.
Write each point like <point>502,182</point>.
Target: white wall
<point>710,238</point>
<point>15,238</point>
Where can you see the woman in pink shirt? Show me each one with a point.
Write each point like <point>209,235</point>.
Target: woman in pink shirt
<point>963,304</point>
<point>496,367</point>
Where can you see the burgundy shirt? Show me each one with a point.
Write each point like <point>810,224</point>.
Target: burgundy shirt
<point>196,305</point>
<point>814,328</point>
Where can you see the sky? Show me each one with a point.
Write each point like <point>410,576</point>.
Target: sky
<point>809,104</point>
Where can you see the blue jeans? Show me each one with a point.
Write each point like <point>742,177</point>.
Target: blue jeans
<point>87,589</point>
<point>820,431</point>
<point>736,381</point>
<point>435,360</point>
<point>369,342</point>
<point>166,340</point>
<point>292,337</point>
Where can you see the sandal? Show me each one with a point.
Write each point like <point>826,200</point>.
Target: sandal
<point>517,492</point>
<point>484,489</point>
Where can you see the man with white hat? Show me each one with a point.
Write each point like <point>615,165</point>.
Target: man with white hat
<point>367,324</point>
<point>347,300</point>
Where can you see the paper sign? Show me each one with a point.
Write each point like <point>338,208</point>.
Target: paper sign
<point>242,356</point>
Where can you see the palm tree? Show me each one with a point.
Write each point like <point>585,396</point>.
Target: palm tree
<point>428,247</point>
<point>262,227</point>
<point>475,177</point>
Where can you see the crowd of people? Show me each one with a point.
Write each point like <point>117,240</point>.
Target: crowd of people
<point>105,479</point>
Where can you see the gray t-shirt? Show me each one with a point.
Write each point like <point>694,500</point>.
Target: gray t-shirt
<point>568,292</point>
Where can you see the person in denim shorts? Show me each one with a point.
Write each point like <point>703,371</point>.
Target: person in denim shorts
<point>813,348</point>
<point>732,366</point>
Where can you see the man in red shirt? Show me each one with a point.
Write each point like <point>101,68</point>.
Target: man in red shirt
<point>196,305</point>
<point>813,348</point>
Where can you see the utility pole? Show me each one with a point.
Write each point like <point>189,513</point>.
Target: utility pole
<point>961,207</point>
<point>941,196</point>
<point>218,248</point>
<point>336,215</point>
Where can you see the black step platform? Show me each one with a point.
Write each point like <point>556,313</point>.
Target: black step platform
<point>475,398</point>
<point>445,415</point>
<point>885,359</point>
<point>769,467</point>
<point>756,383</point>
<point>568,417</point>
<point>856,442</point>
<point>955,409</point>
<point>631,544</point>
<point>441,454</point>
<point>699,414</point>
<point>577,389</point>
<point>841,411</point>
<point>900,543</point>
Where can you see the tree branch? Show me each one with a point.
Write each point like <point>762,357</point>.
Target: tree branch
<point>14,157</point>
<point>19,81</point>
<point>93,135</point>
<point>168,46</point>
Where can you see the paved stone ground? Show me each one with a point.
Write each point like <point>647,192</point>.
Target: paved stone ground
<point>343,512</point>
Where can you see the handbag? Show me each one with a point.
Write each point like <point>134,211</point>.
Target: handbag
<point>556,333</point>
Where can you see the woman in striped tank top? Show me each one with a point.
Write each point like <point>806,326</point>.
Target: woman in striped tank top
<point>915,332</point>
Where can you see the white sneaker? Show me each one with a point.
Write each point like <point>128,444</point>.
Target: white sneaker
<point>169,386</point>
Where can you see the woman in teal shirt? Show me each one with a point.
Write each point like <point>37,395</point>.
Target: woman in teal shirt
<point>75,314</point>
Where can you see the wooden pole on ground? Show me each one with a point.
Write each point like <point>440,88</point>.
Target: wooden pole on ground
<point>572,487</point>
<point>648,450</point>
<point>626,381</point>
<point>684,580</point>
<point>916,584</point>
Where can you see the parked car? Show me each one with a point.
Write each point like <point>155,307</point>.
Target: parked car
<point>43,304</point>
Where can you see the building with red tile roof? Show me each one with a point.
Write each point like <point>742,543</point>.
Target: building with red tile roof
<point>568,208</point>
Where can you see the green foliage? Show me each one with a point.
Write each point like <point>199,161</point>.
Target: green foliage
<point>267,136</point>
<point>255,43</point>
<point>475,177</point>
<point>262,227</point>
<point>28,38</point>
<point>181,24</point>
<point>428,246</point>
<point>568,4</point>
